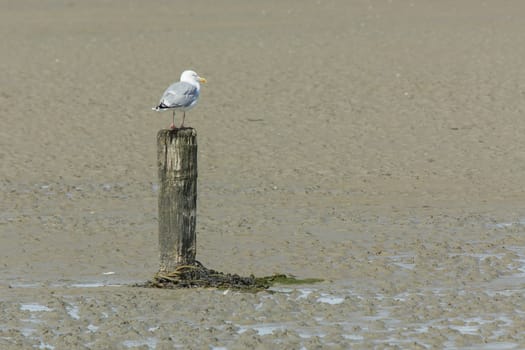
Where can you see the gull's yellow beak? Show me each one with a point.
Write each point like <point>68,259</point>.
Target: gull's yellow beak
<point>202,80</point>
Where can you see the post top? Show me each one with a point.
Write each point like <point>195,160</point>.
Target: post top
<point>184,132</point>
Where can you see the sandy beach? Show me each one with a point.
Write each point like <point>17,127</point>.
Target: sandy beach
<point>375,144</point>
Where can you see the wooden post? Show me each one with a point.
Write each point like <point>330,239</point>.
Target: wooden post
<point>177,162</point>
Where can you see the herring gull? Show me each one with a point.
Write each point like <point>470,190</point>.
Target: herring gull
<point>182,95</point>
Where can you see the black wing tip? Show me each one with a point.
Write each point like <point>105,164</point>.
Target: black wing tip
<point>160,107</point>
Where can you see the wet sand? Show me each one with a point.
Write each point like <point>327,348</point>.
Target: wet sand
<point>376,145</point>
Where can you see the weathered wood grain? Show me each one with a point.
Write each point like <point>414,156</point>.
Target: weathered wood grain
<point>177,167</point>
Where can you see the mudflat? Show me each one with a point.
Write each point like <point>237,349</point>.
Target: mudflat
<point>376,145</point>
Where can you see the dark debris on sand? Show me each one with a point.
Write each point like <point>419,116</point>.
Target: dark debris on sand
<point>198,276</point>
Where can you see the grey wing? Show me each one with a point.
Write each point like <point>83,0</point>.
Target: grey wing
<point>180,94</point>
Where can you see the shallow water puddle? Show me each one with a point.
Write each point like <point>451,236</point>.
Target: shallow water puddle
<point>405,261</point>
<point>269,329</point>
<point>73,311</point>
<point>503,225</point>
<point>473,325</point>
<point>330,299</point>
<point>150,342</point>
<point>29,323</point>
<point>34,307</point>
<point>45,346</point>
<point>92,328</point>
<point>92,285</point>
<point>262,328</point>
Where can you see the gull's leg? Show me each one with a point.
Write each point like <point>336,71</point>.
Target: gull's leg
<point>172,126</point>
<point>183,116</point>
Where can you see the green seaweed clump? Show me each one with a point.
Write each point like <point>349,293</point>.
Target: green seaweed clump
<point>284,279</point>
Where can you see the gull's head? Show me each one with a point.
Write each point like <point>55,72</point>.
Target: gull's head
<point>191,77</point>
